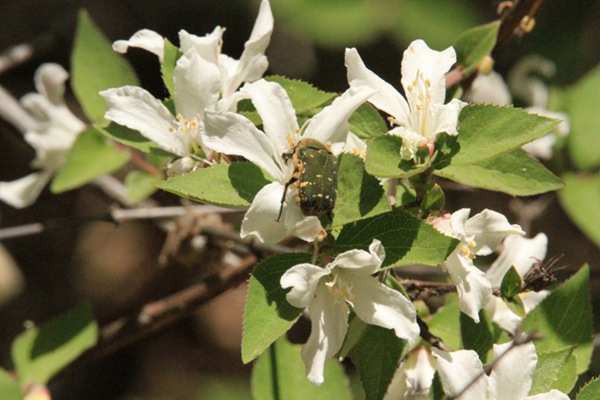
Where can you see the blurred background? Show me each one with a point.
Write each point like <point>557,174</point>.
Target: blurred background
<point>116,267</point>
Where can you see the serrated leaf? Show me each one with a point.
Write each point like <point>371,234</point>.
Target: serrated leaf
<point>471,46</point>
<point>140,185</point>
<point>39,353</point>
<point>515,173</point>
<point>384,161</point>
<point>90,157</point>
<point>304,96</point>
<point>233,185</point>
<point>280,375</point>
<point>511,283</point>
<point>9,387</point>
<point>591,390</point>
<point>360,195</point>
<point>267,314</point>
<point>564,319</point>
<point>581,105</point>
<point>131,138</point>
<point>376,357</point>
<point>366,122</point>
<point>487,131</point>
<point>478,337</point>
<point>406,240</point>
<point>95,67</point>
<point>554,370</point>
<point>167,66</point>
<point>580,199</point>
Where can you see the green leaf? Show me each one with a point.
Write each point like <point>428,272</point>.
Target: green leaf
<point>131,138</point>
<point>366,122</point>
<point>167,66</point>
<point>471,46</point>
<point>580,198</point>
<point>477,336</point>
<point>360,195</point>
<point>233,185</point>
<point>591,390</point>
<point>511,283</point>
<point>564,319</point>
<point>96,67</point>
<point>384,161</point>
<point>90,157</point>
<point>515,173</point>
<point>487,131</point>
<point>39,353</point>
<point>280,375</point>
<point>406,240</point>
<point>445,324</point>
<point>581,105</point>
<point>554,370</point>
<point>304,96</point>
<point>376,357</point>
<point>267,314</point>
<point>140,185</point>
<point>9,387</point>
<point>515,304</point>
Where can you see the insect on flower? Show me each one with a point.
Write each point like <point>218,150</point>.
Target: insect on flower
<point>315,177</point>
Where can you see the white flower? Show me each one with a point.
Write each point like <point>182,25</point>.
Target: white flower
<point>327,292</point>
<point>490,89</point>
<point>422,115</point>
<point>478,235</point>
<point>522,253</point>
<point>543,148</point>
<point>510,379</point>
<point>52,139</point>
<point>231,133</point>
<point>412,380</point>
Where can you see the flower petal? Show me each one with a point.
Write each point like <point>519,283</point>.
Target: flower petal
<point>137,109</point>
<point>330,125</point>
<point>512,374</point>
<point>360,262</point>
<point>197,84</point>
<point>490,89</point>
<point>489,228</point>
<point>443,118</point>
<point>231,133</point>
<point>387,98</point>
<point>519,252</point>
<point>24,192</point>
<point>329,324</point>
<point>50,81</point>
<point>303,279</point>
<point>261,218</point>
<point>458,369</point>
<point>143,39</point>
<point>377,304</point>
<point>207,47</point>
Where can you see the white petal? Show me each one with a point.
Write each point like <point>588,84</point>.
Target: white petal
<point>143,39</point>
<point>387,98</point>
<point>519,252</point>
<point>355,145</point>
<point>231,133</point>
<point>490,89</point>
<point>329,324</point>
<point>474,290</point>
<point>50,81</point>
<point>431,63</point>
<point>207,46</point>
<point>377,304</point>
<point>137,109</point>
<point>458,369</point>
<point>197,85</point>
<point>276,111</point>
<point>489,228</point>
<point>299,225</point>
<point>303,279</point>
<point>532,299</point>
<point>444,118</point>
<point>331,124</point>
<point>502,315</point>
<point>512,374</point>
<point>261,218</point>
<point>360,262</point>
<point>411,141</point>
<point>542,148</point>
<point>551,395</point>
<point>24,192</point>
<point>455,225</point>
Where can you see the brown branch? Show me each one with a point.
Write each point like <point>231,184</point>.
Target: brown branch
<point>429,337</point>
<point>424,289</point>
<point>514,22</point>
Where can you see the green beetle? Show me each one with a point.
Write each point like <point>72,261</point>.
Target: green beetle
<point>315,177</point>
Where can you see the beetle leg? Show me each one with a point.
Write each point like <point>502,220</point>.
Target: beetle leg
<point>285,188</point>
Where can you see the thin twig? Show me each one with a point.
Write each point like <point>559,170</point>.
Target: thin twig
<point>429,337</point>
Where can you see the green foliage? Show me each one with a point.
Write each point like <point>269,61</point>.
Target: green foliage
<point>167,66</point>
<point>406,240</point>
<point>90,157</point>
<point>140,185</point>
<point>40,352</point>
<point>233,185</point>
<point>555,370</point>
<point>591,391</point>
<point>9,387</point>
<point>564,319</point>
<point>305,98</point>
<point>279,375</point>
<point>366,122</point>
<point>473,45</point>
<point>478,337</point>
<point>384,161</point>
<point>511,283</point>
<point>580,198</point>
<point>267,314</point>
<point>360,195</point>
<point>376,356</point>
<point>445,324</point>
<point>96,67</point>
<point>131,138</point>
